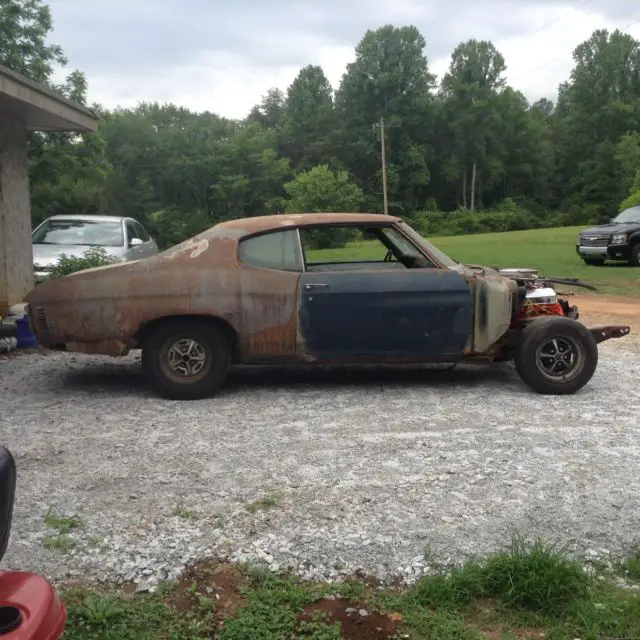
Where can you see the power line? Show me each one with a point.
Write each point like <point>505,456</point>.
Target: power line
<point>562,57</point>
<point>559,18</point>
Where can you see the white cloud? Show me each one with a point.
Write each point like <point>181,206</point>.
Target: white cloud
<point>213,68</point>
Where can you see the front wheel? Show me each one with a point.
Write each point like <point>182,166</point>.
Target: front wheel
<point>556,356</point>
<point>186,359</point>
<point>634,261</point>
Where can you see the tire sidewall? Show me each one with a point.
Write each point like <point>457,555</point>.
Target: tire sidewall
<point>543,330</point>
<point>635,255</point>
<point>216,346</point>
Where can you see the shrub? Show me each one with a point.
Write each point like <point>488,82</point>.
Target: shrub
<point>531,577</point>
<point>170,227</point>
<point>534,577</point>
<point>507,216</point>
<point>94,257</point>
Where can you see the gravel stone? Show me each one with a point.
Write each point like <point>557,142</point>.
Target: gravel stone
<point>390,472</point>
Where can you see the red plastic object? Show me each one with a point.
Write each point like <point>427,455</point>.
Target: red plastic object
<point>42,613</point>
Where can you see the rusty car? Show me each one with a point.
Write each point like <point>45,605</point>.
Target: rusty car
<point>258,291</point>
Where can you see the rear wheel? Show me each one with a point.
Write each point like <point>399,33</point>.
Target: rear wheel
<point>634,261</point>
<point>556,356</point>
<point>186,359</point>
<point>594,262</point>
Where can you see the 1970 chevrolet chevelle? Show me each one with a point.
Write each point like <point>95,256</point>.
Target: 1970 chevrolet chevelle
<point>258,291</point>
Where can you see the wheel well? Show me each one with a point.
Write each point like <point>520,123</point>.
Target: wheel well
<point>214,321</point>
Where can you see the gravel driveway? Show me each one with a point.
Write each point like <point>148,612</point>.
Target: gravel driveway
<point>327,472</point>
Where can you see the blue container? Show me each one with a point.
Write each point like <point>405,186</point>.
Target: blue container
<point>26,339</point>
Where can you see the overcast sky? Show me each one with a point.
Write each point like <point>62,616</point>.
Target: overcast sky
<point>223,56</point>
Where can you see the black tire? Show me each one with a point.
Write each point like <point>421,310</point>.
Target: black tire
<point>180,379</point>
<point>634,261</point>
<point>545,372</point>
<point>594,262</point>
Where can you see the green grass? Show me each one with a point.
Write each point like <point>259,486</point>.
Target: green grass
<point>527,590</point>
<point>551,251</point>
<point>268,502</point>
<point>184,512</point>
<point>61,525</point>
<point>59,542</point>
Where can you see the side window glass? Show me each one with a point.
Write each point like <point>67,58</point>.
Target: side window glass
<point>277,250</point>
<point>131,233</point>
<point>333,248</point>
<point>141,231</point>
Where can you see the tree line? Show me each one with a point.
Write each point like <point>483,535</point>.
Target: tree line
<point>468,154</point>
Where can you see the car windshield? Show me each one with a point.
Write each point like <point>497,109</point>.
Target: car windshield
<point>91,233</point>
<point>628,215</point>
<point>430,248</point>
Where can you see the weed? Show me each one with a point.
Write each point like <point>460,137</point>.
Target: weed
<point>449,591</point>
<point>62,524</point>
<point>206,604</point>
<point>527,590</point>
<point>535,577</point>
<point>319,628</point>
<point>219,520</point>
<point>185,513</point>
<point>268,502</point>
<point>60,542</point>
<point>630,568</point>
<point>143,617</point>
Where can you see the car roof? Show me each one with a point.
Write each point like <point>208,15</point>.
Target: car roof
<point>257,224</point>
<point>89,217</point>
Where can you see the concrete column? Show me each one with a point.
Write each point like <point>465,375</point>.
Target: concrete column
<point>16,253</point>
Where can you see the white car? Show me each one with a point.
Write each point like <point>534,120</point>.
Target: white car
<point>121,237</point>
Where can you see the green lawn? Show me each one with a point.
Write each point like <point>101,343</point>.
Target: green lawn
<point>551,251</point>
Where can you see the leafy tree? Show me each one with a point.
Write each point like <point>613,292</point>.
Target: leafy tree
<point>270,112</point>
<point>633,200</point>
<point>598,105</point>
<point>389,79</point>
<point>475,144</point>
<point>470,92</point>
<point>308,136</point>
<point>24,28</point>
<point>627,156</point>
<point>322,190</point>
<point>68,172</point>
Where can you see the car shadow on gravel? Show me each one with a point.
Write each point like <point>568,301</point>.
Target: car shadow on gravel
<point>129,380</point>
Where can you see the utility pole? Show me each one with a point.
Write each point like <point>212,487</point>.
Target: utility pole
<point>384,168</point>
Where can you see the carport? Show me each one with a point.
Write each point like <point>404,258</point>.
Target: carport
<point>25,106</point>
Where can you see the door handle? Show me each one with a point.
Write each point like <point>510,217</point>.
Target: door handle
<point>308,287</point>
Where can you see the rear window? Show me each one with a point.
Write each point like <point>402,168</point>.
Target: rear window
<point>277,250</point>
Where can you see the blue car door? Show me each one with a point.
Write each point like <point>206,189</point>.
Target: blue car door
<point>408,314</point>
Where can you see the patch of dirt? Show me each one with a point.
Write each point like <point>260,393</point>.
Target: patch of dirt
<point>220,582</point>
<point>354,625</point>
<point>599,310</point>
<point>608,305</point>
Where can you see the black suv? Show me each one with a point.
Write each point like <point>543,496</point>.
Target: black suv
<point>616,240</point>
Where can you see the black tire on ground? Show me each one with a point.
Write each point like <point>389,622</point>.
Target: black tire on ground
<point>594,262</point>
<point>634,261</point>
<point>186,359</point>
<point>556,356</point>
